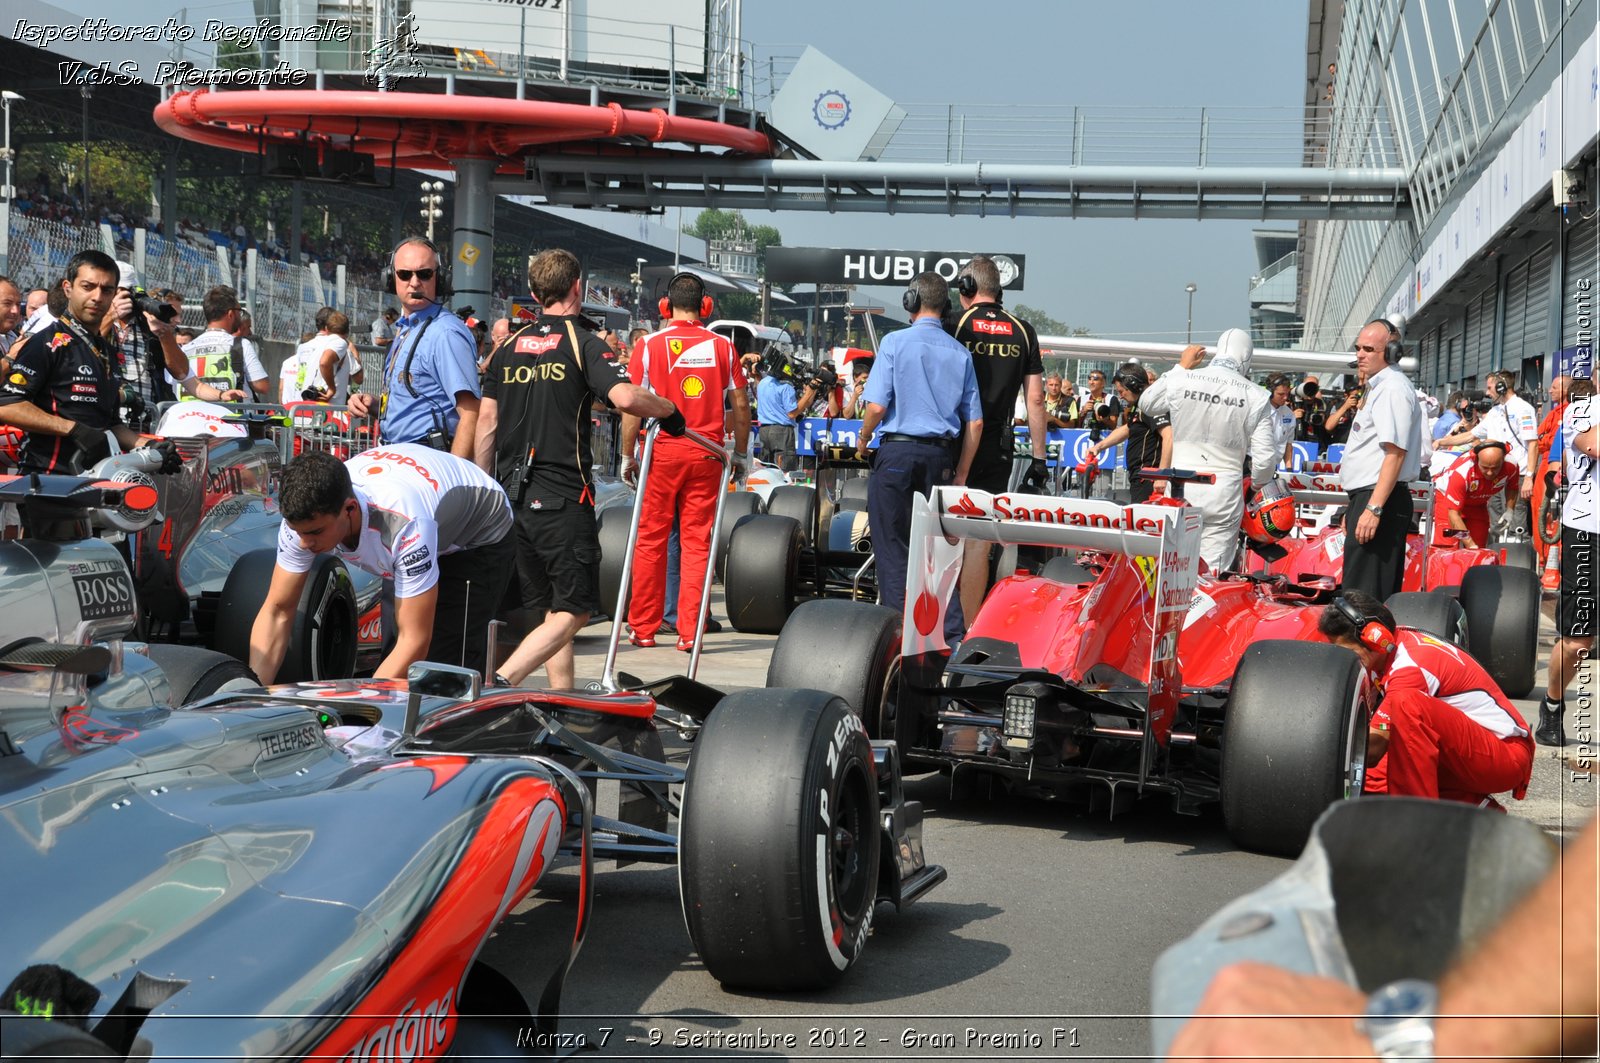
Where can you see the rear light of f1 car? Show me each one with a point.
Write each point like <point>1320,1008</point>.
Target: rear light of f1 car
<point>1022,704</point>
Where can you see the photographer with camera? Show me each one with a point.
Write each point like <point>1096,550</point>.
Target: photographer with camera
<point>545,378</point>
<point>1310,411</point>
<point>63,389</point>
<point>1454,410</point>
<point>924,391</point>
<point>147,344</point>
<point>785,394</point>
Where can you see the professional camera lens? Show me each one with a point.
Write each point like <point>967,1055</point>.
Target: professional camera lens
<point>144,302</point>
<point>1483,404</point>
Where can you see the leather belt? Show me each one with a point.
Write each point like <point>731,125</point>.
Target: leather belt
<point>932,441</point>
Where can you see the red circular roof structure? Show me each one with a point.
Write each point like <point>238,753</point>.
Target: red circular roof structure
<point>423,131</point>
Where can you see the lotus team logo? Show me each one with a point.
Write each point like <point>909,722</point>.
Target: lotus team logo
<point>831,109</point>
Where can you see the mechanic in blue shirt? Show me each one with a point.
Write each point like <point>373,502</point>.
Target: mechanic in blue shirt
<point>430,371</point>
<point>922,388</point>
<point>1450,418</point>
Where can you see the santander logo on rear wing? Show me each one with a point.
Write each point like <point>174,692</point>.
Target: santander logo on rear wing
<point>1319,484</point>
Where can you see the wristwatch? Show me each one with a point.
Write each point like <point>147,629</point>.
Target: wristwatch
<point>1378,510</point>
<point>1399,1020</point>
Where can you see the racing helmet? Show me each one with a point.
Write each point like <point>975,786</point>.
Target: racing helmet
<point>1269,515</point>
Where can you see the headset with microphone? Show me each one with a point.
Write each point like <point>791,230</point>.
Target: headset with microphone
<point>1394,350</point>
<point>1371,632</point>
<point>706,307</point>
<point>390,275</point>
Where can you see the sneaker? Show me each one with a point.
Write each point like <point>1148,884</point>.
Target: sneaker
<point>1549,731</point>
<point>646,641</point>
<point>685,644</point>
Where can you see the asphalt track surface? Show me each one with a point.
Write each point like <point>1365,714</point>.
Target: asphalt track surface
<point>1039,945</point>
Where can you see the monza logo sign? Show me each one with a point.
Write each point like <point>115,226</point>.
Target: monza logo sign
<point>831,109</point>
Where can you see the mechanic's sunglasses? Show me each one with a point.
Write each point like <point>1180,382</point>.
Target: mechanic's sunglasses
<point>420,274</point>
<point>1364,349</point>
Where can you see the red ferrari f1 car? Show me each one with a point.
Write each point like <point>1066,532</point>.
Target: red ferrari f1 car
<point>1487,599</point>
<point>1127,668</point>
<point>311,870</point>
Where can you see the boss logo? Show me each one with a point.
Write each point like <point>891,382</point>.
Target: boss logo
<point>104,596</point>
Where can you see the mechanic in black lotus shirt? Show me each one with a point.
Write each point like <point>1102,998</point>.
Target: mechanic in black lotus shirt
<point>1005,355</point>
<point>62,389</point>
<point>545,378</point>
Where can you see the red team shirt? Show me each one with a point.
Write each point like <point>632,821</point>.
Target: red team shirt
<point>693,368</point>
<point>1464,488</point>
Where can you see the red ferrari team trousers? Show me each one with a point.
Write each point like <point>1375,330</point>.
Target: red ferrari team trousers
<point>1476,518</point>
<point>1436,750</point>
<point>682,485</point>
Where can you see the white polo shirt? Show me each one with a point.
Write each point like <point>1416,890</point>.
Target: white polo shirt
<point>417,505</point>
<point>1391,414</point>
<point>1513,423</point>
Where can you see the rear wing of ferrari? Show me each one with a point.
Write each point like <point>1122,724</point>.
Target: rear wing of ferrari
<point>1318,483</point>
<point>1169,535</point>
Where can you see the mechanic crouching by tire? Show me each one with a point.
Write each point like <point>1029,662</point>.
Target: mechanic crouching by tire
<point>922,388</point>
<point>1462,493</point>
<point>1219,418</point>
<point>62,388</point>
<point>1444,729</point>
<point>533,436</point>
<point>434,524</point>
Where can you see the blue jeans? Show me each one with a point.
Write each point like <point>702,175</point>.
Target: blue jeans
<point>669,602</point>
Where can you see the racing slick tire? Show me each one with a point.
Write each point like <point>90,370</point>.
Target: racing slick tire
<point>848,649</point>
<point>740,504</point>
<point>779,840</point>
<point>1064,569</point>
<point>322,641</point>
<point>1502,607</point>
<point>798,501</point>
<point>612,531</point>
<point>1431,611</point>
<point>1521,555</point>
<point>195,673</point>
<point>763,573</point>
<point>1283,765</point>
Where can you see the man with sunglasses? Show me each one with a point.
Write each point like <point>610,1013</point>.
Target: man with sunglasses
<point>430,374</point>
<point>1383,455</point>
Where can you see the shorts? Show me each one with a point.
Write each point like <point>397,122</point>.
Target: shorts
<point>558,558</point>
<point>1576,607</point>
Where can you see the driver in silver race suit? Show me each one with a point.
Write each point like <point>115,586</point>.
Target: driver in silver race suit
<point>1218,419</point>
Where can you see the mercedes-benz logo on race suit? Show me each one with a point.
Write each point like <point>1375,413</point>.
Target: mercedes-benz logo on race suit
<point>831,109</point>
<point>1008,269</point>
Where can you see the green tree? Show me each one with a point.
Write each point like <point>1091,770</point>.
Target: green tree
<point>1046,324</point>
<point>231,55</point>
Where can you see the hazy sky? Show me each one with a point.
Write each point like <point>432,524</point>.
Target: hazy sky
<point>1118,278</point>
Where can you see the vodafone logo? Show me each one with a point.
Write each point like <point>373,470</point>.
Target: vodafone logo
<point>993,328</point>
<point>403,460</point>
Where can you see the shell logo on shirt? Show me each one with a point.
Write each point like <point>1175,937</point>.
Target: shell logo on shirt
<point>693,387</point>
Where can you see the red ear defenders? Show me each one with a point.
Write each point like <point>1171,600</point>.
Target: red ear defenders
<point>1370,631</point>
<point>440,272</point>
<point>706,305</point>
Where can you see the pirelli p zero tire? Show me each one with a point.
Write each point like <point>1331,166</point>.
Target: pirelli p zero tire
<point>779,841</point>
<point>1287,757</point>
<point>322,639</point>
<point>848,649</point>
<point>740,504</point>
<point>1502,607</point>
<point>613,532</point>
<point>763,573</point>
<point>798,501</point>
<point>1521,555</point>
<point>195,673</point>
<point>1431,611</point>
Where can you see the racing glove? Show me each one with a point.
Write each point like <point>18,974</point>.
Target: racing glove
<point>630,472</point>
<point>1037,476</point>
<point>741,469</point>
<point>171,460</point>
<point>92,445</point>
<point>673,423</point>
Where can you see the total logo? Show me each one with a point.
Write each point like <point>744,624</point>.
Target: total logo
<point>993,328</point>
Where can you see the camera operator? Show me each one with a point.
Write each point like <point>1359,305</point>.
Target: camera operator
<point>778,407</point>
<point>1451,418</point>
<point>1336,429</point>
<point>1310,411</point>
<point>147,343</point>
<point>63,390</point>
